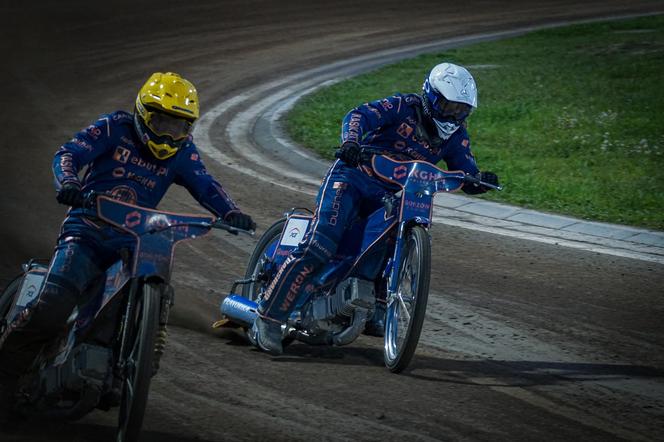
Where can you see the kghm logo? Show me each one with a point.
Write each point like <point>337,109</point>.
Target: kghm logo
<point>428,176</point>
<point>400,172</point>
<point>294,232</point>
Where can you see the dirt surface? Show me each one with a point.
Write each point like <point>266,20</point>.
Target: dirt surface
<point>523,341</point>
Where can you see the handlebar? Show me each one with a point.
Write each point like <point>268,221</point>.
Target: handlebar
<point>474,180</point>
<point>374,150</point>
<point>219,224</point>
<point>89,201</point>
<point>369,150</point>
<point>216,224</point>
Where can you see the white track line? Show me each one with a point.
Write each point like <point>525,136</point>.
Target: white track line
<point>242,123</point>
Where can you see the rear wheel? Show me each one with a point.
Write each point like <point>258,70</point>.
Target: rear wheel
<point>406,310</point>
<point>138,357</point>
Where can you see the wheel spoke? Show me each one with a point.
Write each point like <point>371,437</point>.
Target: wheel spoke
<point>404,309</point>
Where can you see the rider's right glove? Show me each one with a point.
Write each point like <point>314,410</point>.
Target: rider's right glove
<point>350,153</point>
<point>240,220</point>
<point>70,194</point>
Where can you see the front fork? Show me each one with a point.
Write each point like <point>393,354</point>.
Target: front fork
<point>394,266</point>
<point>167,300</point>
<point>128,324</point>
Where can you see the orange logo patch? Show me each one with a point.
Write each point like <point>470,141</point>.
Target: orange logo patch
<point>405,130</point>
<point>121,154</point>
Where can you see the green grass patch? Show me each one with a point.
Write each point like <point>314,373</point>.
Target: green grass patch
<point>572,119</point>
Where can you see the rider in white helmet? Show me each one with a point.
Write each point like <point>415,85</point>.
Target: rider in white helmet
<point>449,95</point>
<point>428,127</point>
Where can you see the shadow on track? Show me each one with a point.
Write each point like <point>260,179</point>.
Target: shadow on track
<point>485,372</point>
<point>82,432</point>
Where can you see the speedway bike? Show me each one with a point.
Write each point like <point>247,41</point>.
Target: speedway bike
<point>383,258</point>
<point>111,346</point>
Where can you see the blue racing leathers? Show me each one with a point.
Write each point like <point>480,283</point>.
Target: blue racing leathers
<point>395,124</point>
<point>120,165</point>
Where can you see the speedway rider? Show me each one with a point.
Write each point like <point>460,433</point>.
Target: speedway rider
<point>134,158</point>
<point>428,127</point>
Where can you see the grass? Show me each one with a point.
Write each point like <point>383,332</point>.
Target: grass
<point>572,119</point>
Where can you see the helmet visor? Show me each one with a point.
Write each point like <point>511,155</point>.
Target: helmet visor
<point>163,124</point>
<point>452,110</point>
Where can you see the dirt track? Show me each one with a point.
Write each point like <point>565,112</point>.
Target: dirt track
<point>524,341</point>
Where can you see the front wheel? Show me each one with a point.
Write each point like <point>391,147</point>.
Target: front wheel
<point>256,267</point>
<point>6,301</point>
<point>141,326</point>
<point>406,309</point>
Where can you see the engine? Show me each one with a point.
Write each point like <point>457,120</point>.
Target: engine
<point>334,312</point>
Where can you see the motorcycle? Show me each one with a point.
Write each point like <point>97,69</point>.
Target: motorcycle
<point>99,361</point>
<point>383,258</point>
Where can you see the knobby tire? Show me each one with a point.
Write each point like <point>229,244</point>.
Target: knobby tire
<point>136,383</point>
<point>418,238</point>
<point>250,291</point>
<point>8,295</point>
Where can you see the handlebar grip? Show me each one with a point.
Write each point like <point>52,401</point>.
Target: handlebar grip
<point>474,180</point>
<point>471,179</point>
<point>373,150</point>
<point>220,224</point>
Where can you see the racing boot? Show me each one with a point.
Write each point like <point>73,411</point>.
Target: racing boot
<point>376,325</point>
<point>267,336</point>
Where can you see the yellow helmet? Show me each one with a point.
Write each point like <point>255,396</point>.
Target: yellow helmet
<point>166,108</point>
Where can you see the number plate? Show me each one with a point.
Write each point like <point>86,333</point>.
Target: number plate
<point>294,231</point>
<point>32,284</point>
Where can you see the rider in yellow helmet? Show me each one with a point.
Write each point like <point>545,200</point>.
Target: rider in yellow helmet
<point>133,158</point>
<point>166,109</point>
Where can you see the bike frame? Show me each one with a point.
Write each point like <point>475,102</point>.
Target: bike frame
<point>156,233</point>
<point>418,180</point>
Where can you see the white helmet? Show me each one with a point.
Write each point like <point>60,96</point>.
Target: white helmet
<point>449,95</point>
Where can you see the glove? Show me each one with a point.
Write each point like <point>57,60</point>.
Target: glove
<point>70,194</point>
<point>489,177</point>
<point>240,220</point>
<point>350,153</point>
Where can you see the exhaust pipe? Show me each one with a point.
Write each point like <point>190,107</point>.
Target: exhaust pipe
<point>239,309</point>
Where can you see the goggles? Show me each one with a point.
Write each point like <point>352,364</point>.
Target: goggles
<point>162,124</point>
<point>451,110</point>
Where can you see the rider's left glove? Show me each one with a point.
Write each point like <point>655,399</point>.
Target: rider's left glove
<point>70,194</point>
<point>489,178</point>
<point>486,177</point>
<point>240,220</point>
